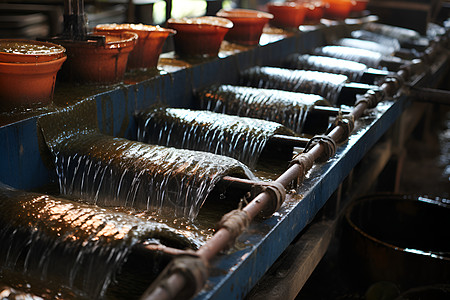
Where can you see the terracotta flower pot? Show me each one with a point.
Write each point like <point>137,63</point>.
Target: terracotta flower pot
<point>28,84</point>
<point>149,44</point>
<point>28,51</point>
<point>360,5</point>
<point>92,62</point>
<point>287,14</point>
<point>339,9</point>
<point>248,25</point>
<point>199,37</point>
<point>314,11</point>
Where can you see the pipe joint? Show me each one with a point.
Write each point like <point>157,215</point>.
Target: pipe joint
<point>192,270</point>
<point>235,222</point>
<point>306,161</point>
<point>347,122</point>
<point>328,143</point>
<point>371,98</point>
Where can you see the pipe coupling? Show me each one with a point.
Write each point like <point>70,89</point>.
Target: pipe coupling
<point>328,143</point>
<point>235,222</point>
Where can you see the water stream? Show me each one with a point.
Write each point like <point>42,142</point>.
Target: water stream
<point>370,58</point>
<point>81,247</point>
<point>109,171</point>
<point>287,108</point>
<point>238,137</point>
<point>310,82</point>
<point>353,70</point>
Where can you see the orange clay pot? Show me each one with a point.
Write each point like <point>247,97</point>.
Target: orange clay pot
<point>28,84</point>
<point>149,44</point>
<point>287,14</point>
<point>28,51</point>
<point>92,62</point>
<point>360,5</point>
<point>248,25</point>
<point>339,9</point>
<point>314,11</point>
<point>199,37</point>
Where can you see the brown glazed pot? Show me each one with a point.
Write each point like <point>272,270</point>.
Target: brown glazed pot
<point>93,62</point>
<point>398,239</point>
<point>199,37</point>
<point>248,25</point>
<point>149,44</point>
<point>27,78</point>
<point>287,14</point>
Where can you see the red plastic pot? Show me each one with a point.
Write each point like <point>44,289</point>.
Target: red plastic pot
<point>199,37</point>
<point>97,63</point>
<point>248,25</point>
<point>29,51</point>
<point>287,14</point>
<point>149,44</point>
<point>28,84</point>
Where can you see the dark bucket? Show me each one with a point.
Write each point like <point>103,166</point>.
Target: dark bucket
<point>400,239</point>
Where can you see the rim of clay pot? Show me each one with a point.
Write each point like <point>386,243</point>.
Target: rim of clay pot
<point>242,13</point>
<point>354,226</point>
<point>29,51</point>
<point>286,4</point>
<point>41,67</point>
<point>202,22</point>
<point>112,40</point>
<point>133,27</point>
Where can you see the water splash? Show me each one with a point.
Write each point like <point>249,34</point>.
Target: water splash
<point>310,82</point>
<point>287,108</point>
<point>238,137</point>
<point>69,244</point>
<point>369,58</point>
<point>353,70</point>
<point>110,171</point>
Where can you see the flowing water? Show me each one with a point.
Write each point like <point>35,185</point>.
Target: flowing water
<point>367,45</point>
<point>353,70</point>
<point>377,38</point>
<point>310,82</point>
<point>287,108</point>
<point>110,171</point>
<point>78,246</point>
<point>238,137</point>
<point>399,33</point>
<point>369,58</point>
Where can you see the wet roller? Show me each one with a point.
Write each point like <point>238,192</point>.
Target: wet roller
<point>407,38</point>
<point>110,171</point>
<point>390,42</point>
<point>242,138</point>
<point>371,59</point>
<point>333,87</point>
<point>367,45</point>
<point>355,71</point>
<point>377,38</point>
<point>60,243</point>
<point>302,113</point>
